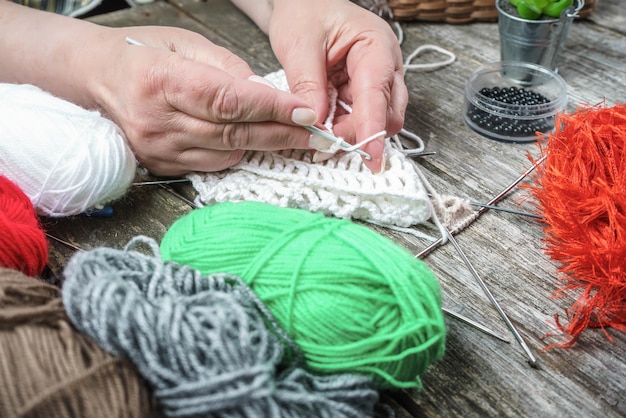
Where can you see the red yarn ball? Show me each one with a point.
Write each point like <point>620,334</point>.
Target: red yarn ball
<point>23,244</point>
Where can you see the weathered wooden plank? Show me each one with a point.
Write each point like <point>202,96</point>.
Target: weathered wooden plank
<point>145,210</point>
<point>220,22</point>
<point>610,14</point>
<point>479,375</point>
<point>159,13</point>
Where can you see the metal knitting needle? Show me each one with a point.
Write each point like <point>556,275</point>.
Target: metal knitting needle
<point>421,154</point>
<point>66,243</point>
<point>501,209</point>
<point>458,316</point>
<point>510,187</point>
<point>157,182</point>
<point>476,325</point>
<point>492,202</point>
<point>178,195</point>
<point>343,144</point>
<point>494,302</point>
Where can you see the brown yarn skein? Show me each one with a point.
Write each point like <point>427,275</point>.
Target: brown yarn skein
<point>48,369</point>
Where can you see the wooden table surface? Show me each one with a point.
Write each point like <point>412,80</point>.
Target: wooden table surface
<point>479,375</point>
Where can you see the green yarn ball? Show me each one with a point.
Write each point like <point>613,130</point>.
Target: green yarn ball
<point>351,299</point>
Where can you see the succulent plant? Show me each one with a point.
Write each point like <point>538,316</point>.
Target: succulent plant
<point>534,9</point>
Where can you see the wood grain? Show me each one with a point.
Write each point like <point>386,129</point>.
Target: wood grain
<point>479,375</point>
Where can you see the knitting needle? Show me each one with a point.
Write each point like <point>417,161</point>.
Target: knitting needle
<point>178,195</point>
<point>66,243</point>
<point>482,210</point>
<point>494,302</point>
<point>501,209</point>
<point>458,316</point>
<point>419,154</point>
<point>475,324</point>
<point>343,144</point>
<point>513,184</point>
<point>164,184</point>
<point>156,182</point>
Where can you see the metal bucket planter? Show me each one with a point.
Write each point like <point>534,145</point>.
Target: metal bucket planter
<point>534,41</point>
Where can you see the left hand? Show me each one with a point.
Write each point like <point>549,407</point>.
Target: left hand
<point>339,42</point>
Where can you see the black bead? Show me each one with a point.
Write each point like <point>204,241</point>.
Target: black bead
<point>512,127</point>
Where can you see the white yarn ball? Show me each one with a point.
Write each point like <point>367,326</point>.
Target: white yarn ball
<point>65,158</point>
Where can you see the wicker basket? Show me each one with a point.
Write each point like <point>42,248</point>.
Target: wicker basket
<point>456,11</point>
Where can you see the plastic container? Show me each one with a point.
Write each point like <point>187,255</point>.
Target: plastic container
<point>513,101</point>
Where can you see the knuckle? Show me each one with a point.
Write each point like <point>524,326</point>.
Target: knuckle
<point>305,87</point>
<point>225,105</point>
<point>233,63</point>
<point>233,136</point>
<point>155,74</point>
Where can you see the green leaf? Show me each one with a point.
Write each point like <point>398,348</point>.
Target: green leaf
<point>555,8</point>
<point>527,10</point>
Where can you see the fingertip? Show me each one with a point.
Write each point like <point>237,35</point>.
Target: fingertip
<point>321,156</point>
<point>376,165</point>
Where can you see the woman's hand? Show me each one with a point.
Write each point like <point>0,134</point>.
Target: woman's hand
<point>184,103</point>
<point>338,41</point>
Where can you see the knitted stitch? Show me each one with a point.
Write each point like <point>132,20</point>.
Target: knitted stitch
<point>342,186</point>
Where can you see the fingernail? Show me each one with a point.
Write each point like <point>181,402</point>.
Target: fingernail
<point>321,156</point>
<point>319,143</point>
<point>261,80</point>
<point>303,116</point>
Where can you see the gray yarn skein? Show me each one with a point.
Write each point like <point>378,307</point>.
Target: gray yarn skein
<point>207,344</point>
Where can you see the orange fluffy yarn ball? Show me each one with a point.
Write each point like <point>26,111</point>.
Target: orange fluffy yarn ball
<point>581,189</point>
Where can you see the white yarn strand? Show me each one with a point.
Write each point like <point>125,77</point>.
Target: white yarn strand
<point>65,158</point>
<point>451,57</point>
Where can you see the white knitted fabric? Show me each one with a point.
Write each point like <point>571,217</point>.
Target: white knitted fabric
<point>341,186</point>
